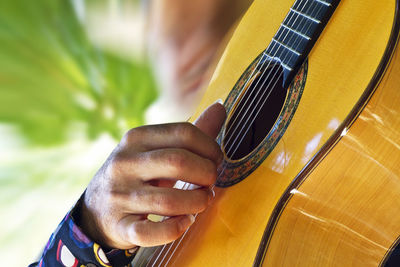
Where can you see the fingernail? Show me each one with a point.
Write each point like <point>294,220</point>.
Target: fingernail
<point>211,195</point>
<point>220,101</point>
<point>191,218</point>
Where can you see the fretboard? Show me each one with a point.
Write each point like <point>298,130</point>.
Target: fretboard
<point>298,33</point>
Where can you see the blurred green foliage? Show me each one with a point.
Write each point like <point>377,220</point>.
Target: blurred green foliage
<point>59,94</point>
<point>52,76</point>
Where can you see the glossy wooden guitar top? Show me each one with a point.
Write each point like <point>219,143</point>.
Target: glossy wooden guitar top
<point>346,211</point>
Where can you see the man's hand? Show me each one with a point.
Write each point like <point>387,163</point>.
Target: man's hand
<point>137,179</point>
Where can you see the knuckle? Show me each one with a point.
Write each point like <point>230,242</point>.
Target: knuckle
<point>177,160</point>
<point>120,164</point>
<point>141,197</point>
<point>127,138</point>
<point>133,135</point>
<point>111,197</point>
<point>114,166</point>
<point>136,159</point>
<point>155,201</point>
<point>167,204</point>
<point>186,131</point>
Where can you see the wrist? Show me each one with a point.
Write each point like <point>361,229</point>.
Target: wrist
<point>85,220</point>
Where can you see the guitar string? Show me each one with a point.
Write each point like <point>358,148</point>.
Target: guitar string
<point>227,131</point>
<point>296,38</point>
<point>259,99</point>
<point>185,186</point>
<point>255,97</point>
<point>252,74</point>
<point>242,137</point>
<point>180,240</point>
<point>241,130</point>
<point>177,245</point>
<point>245,132</point>
<point>258,63</point>
<point>152,254</point>
<point>175,248</point>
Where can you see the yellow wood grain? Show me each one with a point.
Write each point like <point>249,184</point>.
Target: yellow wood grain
<point>340,68</point>
<point>346,213</point>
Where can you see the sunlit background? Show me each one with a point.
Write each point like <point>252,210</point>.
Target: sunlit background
<point>73,79</point>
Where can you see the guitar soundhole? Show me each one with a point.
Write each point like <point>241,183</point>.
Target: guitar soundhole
<point>255,112</point>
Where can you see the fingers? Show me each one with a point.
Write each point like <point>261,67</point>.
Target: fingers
<point>146,233</point>
<point>164,201</point>
<point>177,164</point>
<point>173,135</point>
<point>211,120</point>
<point>198,138</point>
<point>123,192</point>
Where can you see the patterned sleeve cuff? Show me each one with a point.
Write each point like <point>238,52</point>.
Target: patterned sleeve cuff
<point>69,246</point>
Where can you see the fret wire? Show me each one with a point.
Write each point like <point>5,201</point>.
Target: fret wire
<point>297,32</point>
<point>252,121</point>
<point>323,2</point>
<point>236,147</point>
<point>287,47</point>
<point>280,62</point>
<point>285,55</point>
<point>286,66</point>
<point>306,16</point>
<point>317,10</point>
<point>300,44</point>
<point>310,15</point>
<point>303,25</point>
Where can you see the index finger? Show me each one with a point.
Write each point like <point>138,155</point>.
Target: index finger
<point>174,135</point>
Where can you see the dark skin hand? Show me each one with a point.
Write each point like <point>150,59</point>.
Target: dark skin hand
<point>137,179</point>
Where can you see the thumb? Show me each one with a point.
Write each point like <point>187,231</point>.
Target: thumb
<point>211,120</point>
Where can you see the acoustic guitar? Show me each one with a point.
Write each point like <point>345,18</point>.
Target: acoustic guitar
<point>311,175</point>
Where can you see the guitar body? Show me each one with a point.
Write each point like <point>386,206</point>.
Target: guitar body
<point>328,194</point>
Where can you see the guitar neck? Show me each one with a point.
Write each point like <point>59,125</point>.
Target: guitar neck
<point>298,33</point>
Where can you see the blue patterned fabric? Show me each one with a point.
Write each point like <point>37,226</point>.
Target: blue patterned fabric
<point>69,246</point>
